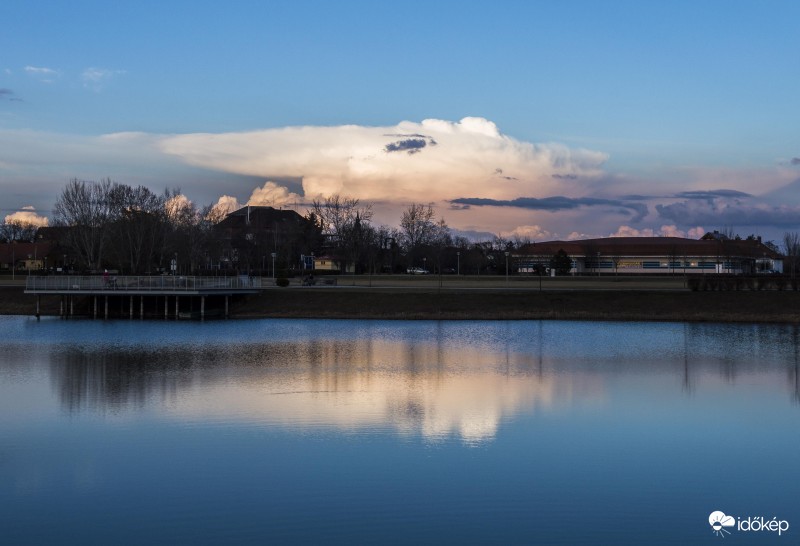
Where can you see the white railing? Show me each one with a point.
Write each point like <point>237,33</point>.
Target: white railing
<point>154,283</point>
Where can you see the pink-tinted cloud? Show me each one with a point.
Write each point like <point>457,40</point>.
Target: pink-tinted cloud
<point>447,160</point>
<point>27,217</point>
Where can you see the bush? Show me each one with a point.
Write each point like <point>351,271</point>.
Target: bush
<point>282,281</point>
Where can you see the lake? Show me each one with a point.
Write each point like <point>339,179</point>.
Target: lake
<point>354,431</point>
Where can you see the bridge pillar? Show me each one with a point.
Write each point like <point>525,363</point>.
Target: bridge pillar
<point>202,307</point>
<point>38,303</point>
<point>71,306</point>
<point>141,307</point>
<point>226,306</point>
<point>106,307</point>
<point>94,307</point>
<point>130,313</point>
<point>176,306</point>
<point>61,308</point>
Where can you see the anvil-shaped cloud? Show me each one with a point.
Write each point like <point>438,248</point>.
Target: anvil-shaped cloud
<point>428,161</point>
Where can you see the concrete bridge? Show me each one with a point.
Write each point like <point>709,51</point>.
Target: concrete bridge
<point>141,287</point>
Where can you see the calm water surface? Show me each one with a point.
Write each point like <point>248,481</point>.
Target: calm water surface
<point>314,431</point>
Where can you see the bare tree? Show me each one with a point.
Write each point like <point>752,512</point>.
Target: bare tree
<point>791,246</point>
<point>417,227</point>
<point>139,218</point>
<point>16,230</point>
<point>337,216</point>
<point>591,256</point>
<point>85,208</point>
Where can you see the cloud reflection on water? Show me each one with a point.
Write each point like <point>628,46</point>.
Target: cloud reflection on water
<point>413,388</point>
<point>426,379</point>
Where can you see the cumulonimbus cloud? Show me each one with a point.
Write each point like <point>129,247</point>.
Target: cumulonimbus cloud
<point>412,161</point>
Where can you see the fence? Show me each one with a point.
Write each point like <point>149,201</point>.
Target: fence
<point>149,283</point>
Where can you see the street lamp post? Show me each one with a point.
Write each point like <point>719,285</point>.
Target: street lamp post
<point>458,263</point>
<point>425,264</point>
<point>273,265</point>
<point>539,269</point>
<point>506,267</point>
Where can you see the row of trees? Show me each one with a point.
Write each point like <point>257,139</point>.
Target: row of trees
<point>110,225</point>
<point>106,224</point>
<point>360,246</point>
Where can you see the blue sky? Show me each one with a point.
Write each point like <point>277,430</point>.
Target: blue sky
<point>673,96</point>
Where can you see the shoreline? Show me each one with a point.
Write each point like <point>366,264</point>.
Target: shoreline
<point>415,303</point>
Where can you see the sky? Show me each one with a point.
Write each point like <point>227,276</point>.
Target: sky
<point>543,119</point>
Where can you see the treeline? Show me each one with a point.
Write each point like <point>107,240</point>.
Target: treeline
<point>109,225</point>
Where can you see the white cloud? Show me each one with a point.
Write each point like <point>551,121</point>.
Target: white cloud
<point>426,161</point>
<point>696,232</point>
<point>27,217</point>
<point>95,78</point>
<point>224,206</point>
<point>273,195</point>
<point>433,161</point>
<point>268,195</point>
<point>178,205</point>
<point>534,233</point>
<point>43,73</point>
<point>665,231</point>
<point>577,236</point>
<point>40,70</point>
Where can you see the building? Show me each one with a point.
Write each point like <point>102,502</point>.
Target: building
<point>655,255</point>
<point>249,237</point>
<point>26,256</point>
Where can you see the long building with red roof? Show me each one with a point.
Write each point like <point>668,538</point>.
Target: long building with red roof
<point>655,255</point>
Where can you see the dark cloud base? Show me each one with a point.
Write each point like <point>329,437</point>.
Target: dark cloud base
<point>411,144</point>
<point>556,203</point>
<point>730,214</point>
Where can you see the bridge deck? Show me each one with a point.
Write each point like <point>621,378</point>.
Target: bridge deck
<point>133,285</point>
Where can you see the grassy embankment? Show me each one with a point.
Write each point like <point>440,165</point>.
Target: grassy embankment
<point>492,298</point>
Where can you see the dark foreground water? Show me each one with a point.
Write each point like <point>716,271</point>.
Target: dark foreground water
<point>324,432</point>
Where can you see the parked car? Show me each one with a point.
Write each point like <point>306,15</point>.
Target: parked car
<point>416,271</point>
